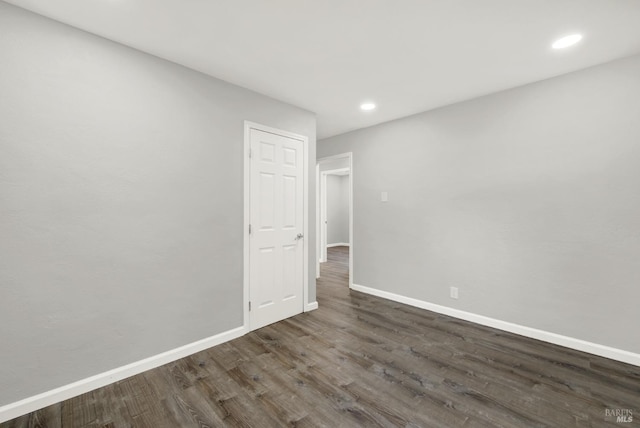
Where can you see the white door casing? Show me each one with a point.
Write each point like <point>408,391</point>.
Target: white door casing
<point>318,219</point>
<point>323,217</point>
<point>321,200</point>
<point>276,218</point>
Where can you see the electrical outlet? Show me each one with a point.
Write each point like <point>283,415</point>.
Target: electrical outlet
<point>454,292</point>
<point>384,197</point>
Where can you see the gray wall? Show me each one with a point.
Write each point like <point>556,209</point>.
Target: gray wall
<point>121,203</point>
<point>527,200</point>
<point>337,209</point>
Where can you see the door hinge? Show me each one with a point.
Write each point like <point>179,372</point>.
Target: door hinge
<point>249,229</point>
<point>249,306</point>
<point>249,152</point>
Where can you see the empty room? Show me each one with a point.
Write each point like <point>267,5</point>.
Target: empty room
<point>252,213</point>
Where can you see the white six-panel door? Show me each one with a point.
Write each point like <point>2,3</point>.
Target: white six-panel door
<point>276,250</point>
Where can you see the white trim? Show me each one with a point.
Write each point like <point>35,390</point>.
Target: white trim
<point>348,155</point>
<point>338,244</point>
<point>337,171</point>
<point>305,216</point>
<point>31,404</point>
<point>248,126</point>
<point>546,336</point>
<point>334,157</point>
<point>318,257</point>
<point>311,306</point>
<point>247,221</point>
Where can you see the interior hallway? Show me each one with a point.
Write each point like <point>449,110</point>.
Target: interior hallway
<point>362,361</point>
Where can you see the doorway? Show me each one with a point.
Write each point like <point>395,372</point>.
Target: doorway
<point>334,202</point>
<point>276,213</point>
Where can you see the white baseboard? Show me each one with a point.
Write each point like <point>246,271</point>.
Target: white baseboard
<point>31,404</point>
<point>546,336</point>
<point>338,244</point>
<point>311,306</point>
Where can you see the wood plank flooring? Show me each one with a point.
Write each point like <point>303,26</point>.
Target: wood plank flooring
<point>363,361</point>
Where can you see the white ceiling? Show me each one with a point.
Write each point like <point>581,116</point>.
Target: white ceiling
<point>328,56</point>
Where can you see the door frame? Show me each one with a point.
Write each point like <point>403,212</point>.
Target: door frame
<point>248,126</point>
<point>323,209</point>
<point>349,156</point>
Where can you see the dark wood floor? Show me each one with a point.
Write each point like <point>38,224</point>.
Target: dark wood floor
<point>363,361</point>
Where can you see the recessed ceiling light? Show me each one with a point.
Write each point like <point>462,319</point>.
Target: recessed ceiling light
<point>367,106</point>
<point>567,41</point>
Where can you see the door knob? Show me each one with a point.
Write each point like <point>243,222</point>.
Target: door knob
<point>299,236</point>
